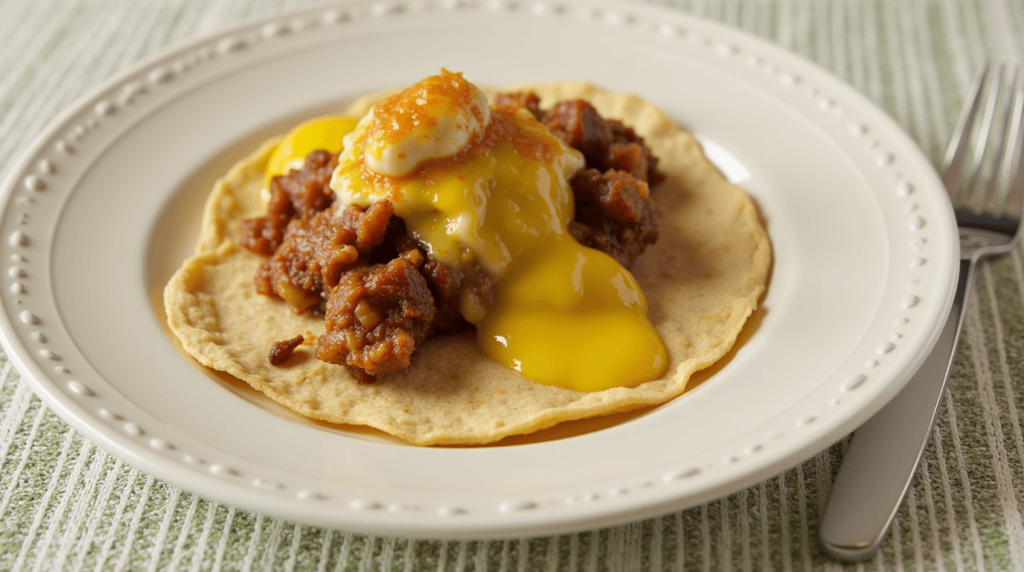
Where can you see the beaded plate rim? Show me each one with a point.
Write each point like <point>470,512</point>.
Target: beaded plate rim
<point>31,341</point>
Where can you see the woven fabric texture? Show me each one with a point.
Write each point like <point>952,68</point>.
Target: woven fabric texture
<point>66,504</point>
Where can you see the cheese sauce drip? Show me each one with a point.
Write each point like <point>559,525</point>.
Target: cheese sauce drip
<point>325,133</point>
<point>497,200</point>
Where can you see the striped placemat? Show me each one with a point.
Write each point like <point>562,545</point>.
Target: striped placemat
<point>66,504</point>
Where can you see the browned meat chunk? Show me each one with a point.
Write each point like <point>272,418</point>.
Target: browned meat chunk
<point>613,209</point>
<point>263,235</point>
<point>605,143</point>
<point>525,99</point>
<point>396,241</point>
<point>376,317</point>
<point>316,252</point>
<point>628,152</point>
<point>370,225</point>
<point>445,285</point>
<point>629,158</point>
<point>282,350</point>
<point>308,187</point>
<point>613,214</point>
<point>299,194</point>
<point>296,271</point>
<point>581,127</point>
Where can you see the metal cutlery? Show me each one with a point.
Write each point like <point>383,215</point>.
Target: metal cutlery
<point>883,455</point>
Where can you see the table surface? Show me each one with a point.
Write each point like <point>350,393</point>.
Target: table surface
<point>67,504</point>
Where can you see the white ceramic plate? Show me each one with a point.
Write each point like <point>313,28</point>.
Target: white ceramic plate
<point>105,205</point>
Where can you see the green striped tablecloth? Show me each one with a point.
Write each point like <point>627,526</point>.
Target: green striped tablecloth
<point>66,504</point>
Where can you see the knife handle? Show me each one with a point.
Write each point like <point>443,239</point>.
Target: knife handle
<point>879,465</point>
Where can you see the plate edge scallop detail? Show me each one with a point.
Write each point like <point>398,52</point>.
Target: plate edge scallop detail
<point>46,169</point>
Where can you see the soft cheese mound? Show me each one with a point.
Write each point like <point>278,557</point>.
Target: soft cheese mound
<point>702,280</point>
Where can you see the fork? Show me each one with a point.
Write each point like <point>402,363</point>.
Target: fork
<point>879,464</point>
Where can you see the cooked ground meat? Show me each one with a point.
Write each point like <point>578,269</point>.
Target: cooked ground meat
<point>627,152</point>
<point>526,99</point>
<point>263,235</point>
<point>299,194</point>
<point>376,318</point>
<point>282,350</point>
<point>381,296</point>
<point>613,214</point>
<point>582,128</point>
<point>445,284</point>
<point>605,143</point>
<point>315,252</point>
<point>396,241</point>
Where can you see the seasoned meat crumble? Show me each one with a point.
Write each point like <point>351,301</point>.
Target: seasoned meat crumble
<point>282,351</point>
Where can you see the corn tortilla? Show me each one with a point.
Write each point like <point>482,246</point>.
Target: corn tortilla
<point>702,279</point>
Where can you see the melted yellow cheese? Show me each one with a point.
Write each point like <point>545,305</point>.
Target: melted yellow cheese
<point>324,133</point>
<point>572,316</point>
<point>565,314</point>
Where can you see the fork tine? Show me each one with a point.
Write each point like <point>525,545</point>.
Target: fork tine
<point>993,197</point>
<point>1012,176</point>
<point>960,141</point>
<point>975,195</point>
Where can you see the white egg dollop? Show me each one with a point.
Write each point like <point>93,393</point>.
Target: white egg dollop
<point>440,123</point>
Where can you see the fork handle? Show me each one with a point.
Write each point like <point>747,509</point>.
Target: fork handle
<point>879,464</point>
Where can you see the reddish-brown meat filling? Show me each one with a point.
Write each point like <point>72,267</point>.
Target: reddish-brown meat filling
<point>377,316</point>
<point>281,351</point>
<point>301,194</point>
<point>381,297</point>
<point>316,252</point>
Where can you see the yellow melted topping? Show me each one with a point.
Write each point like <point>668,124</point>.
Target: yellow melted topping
<point>324,133</point>
<point>565,314</point>
<point>572,316</point>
